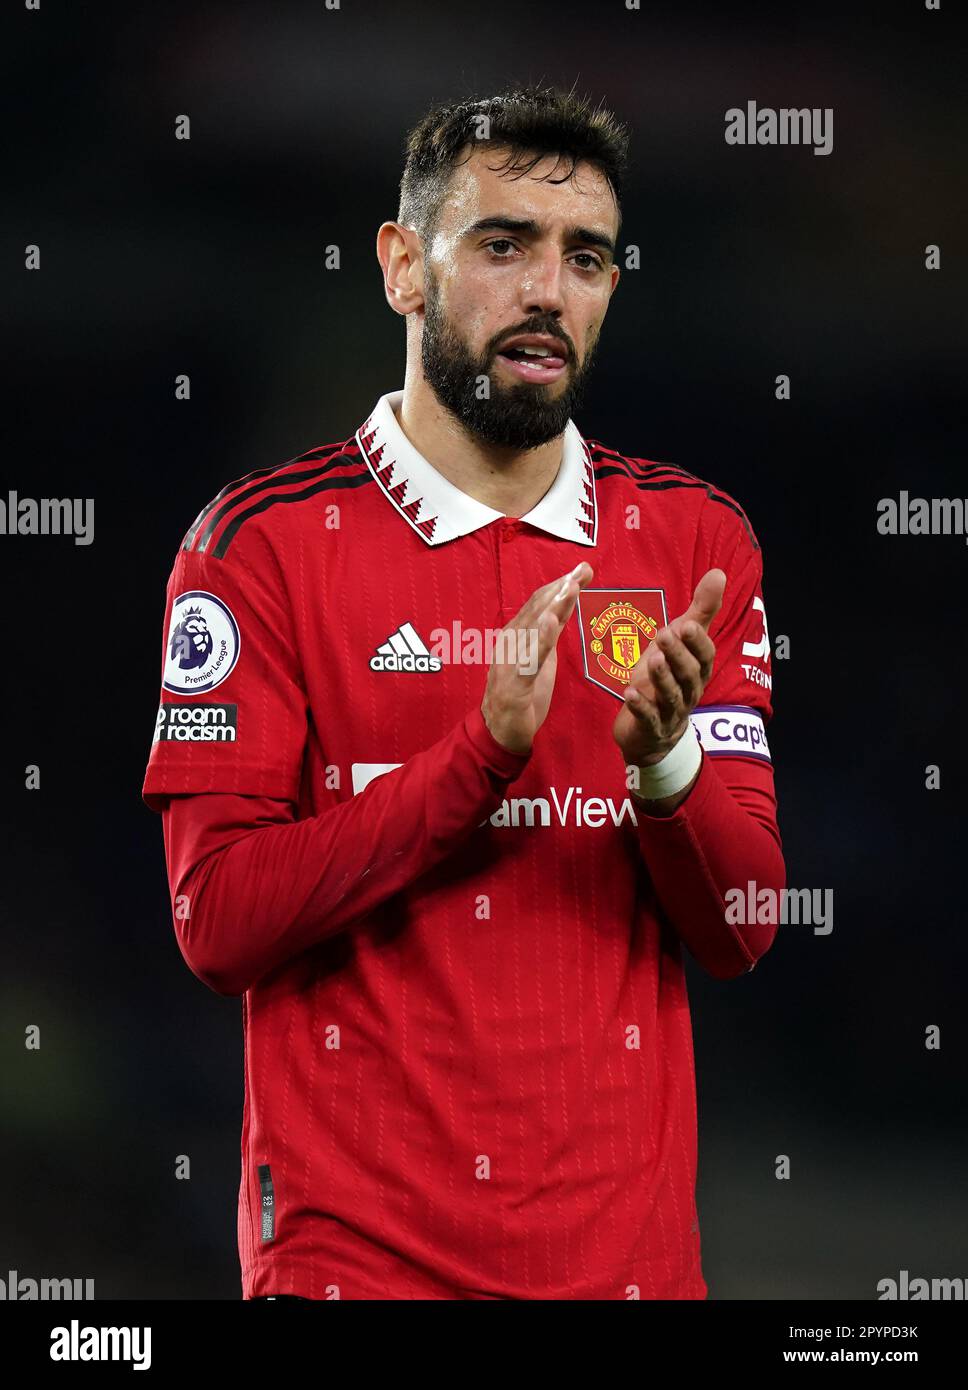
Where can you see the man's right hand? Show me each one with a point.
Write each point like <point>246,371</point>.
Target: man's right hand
<point>522,674</point>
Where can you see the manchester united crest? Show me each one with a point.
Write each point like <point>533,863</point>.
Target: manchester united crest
<point>616,628</point>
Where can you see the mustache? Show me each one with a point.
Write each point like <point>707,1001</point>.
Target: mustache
<point>553,330</point>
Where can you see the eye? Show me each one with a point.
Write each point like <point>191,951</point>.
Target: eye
<point>594,262</point>
<point>500,241</point>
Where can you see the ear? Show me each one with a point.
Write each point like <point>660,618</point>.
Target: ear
<point>400,254</point>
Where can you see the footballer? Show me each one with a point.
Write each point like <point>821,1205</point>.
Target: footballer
<point>462,739</point>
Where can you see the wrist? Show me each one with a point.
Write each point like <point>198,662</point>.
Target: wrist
<point>504,734</point>
<point>671,774</point>
<point>502,737</point>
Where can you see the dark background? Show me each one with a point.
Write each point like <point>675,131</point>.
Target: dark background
<point>162,257</point>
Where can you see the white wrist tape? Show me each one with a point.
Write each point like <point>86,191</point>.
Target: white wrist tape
<point>673,772</point>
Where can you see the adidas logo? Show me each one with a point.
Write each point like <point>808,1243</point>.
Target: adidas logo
<point>404,651</point>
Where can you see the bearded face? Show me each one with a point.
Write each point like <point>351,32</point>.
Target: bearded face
<point>519,416</point>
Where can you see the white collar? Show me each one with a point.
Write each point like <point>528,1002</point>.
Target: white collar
<point>438,511</point>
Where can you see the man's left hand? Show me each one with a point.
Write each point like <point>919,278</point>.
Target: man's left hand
<point>667,681</point>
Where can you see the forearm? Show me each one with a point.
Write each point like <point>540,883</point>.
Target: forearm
<point>251,890</point>
<point>716,839</point>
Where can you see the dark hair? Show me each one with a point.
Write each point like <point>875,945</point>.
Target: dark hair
<point>529,123</point>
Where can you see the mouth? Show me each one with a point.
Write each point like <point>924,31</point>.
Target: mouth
<point>535,357</point>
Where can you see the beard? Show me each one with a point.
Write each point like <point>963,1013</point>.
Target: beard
<point>509,417</point>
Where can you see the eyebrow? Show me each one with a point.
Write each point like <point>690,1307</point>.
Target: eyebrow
<point>588,235</point>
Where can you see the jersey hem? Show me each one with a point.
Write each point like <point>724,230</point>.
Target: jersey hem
<point>299,1280</point>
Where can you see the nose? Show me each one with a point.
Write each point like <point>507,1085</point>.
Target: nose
<point>541,286</point>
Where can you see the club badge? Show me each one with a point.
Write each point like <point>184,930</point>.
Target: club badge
<point>616,628</point>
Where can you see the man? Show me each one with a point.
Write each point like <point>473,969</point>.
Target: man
<point>453,905</point>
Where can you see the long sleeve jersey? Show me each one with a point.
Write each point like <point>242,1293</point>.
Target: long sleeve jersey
<point>468,1053</point>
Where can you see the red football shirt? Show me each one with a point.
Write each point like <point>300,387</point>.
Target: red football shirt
<point>468,1053</point>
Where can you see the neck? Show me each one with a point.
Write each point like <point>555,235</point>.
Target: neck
<point>511,481</point>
